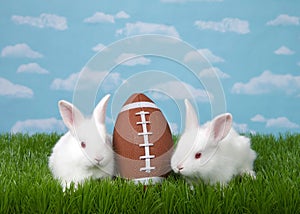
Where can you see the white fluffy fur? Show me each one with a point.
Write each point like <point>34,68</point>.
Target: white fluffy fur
<point>69,162</point>
<point>224,152</point>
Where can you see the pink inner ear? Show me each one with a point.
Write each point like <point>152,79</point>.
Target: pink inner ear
<point>67,115</point>
<point>221,127</point>
<point>70,116</point>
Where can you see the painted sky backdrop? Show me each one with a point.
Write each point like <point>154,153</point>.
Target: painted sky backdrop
<point>254,46</point>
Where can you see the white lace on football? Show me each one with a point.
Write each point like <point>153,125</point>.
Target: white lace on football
<point>147,157</point>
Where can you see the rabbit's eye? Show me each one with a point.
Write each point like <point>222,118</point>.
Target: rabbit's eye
<point>83,145</point>
<point>198,155</point>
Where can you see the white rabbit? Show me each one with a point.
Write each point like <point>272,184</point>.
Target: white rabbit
<point>213,152</point>
<point>85,150</point>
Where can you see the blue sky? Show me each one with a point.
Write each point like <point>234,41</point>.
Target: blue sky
<point>252,45</point>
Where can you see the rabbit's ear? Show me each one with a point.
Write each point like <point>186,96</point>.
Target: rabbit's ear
<point>221,126</point>
<point>99,115</point>
<point>191,118</point>
<point>70,114</point>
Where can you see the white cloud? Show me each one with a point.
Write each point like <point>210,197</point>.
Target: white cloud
<point>283,50</point>
<point>268,82</point>
<point>259,118</point>
<point>180,90</point>
<point>209,72</point>
<point>122,15</point>
<point>10,89</point>
<point>156,95</point>
<point>112,81</point>
<point>147,28</point>
<point>43,21</point>
<point>184,1</point>
<point>226,25</point>
<point>279,122</point>
<point>284,19</point>
<point>67,84</point>
<point>88,80</point>
<point>100,17</point>
<point>206,53</point>
<point>31,68</point>
<point>20,50</point>
<point>242,128</point>
<point>98,47</point>
<point>132,59</point>
<point>32,126</point>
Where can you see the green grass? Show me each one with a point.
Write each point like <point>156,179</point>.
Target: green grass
<point>26,185</point>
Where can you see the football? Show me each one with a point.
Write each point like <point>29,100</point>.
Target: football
<point>142,141</point>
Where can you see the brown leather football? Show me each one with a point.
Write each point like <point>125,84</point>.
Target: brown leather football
<point>142,141</point>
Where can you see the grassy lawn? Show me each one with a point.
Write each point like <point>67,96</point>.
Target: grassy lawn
<point>26,185</point>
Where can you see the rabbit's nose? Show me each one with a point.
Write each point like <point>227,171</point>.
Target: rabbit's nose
<point>99,159</point>
<point>180,167</point>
